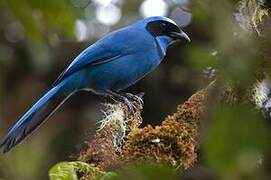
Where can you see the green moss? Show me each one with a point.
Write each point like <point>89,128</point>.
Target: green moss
<point>175,142</point>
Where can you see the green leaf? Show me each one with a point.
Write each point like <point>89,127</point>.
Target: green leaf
<point>71,171</point>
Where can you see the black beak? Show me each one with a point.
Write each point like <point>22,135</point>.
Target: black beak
<point>180,35</point>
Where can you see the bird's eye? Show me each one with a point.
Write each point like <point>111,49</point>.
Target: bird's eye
<point>163,25</point>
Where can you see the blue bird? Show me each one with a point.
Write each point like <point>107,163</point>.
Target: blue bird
<point>113,63</point>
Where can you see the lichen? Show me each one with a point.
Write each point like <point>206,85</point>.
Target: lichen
<point>260,92</point>
<point>251,15</point>
<point>104,148</point>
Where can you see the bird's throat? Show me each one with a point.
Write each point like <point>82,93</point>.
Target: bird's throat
<point>162,43</point>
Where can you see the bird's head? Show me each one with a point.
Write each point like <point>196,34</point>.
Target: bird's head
<point>159,26</point>
<point>165,31</point>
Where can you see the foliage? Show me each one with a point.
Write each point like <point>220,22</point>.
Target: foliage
<point>73,171</point>
<point>236,141</point>
<point>38,17</point>
<point>144,171</point>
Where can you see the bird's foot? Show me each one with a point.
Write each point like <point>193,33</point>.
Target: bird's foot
<point>135,98</point>
<point>130,105</point>
<point>117,97</point>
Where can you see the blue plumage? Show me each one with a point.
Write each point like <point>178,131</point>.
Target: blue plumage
<point>112,64</point>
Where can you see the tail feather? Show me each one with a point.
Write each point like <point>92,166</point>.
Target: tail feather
<point>33,118</point>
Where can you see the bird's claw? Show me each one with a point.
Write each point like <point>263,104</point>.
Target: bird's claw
<point>135,98</point>
<point>130,106</point>
<point>127,99</point>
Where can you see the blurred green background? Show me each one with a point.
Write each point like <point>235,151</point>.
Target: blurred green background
<point>39,39</point>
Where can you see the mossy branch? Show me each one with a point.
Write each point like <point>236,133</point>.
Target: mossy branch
<point>174,142</point>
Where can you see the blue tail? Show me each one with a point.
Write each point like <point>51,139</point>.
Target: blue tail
<point>37,114</point>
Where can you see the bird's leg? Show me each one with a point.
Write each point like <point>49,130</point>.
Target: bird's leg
<point>134,98</point>
<point>122,99</point>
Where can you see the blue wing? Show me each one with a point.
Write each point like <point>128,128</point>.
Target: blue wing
<point>93,55</point>
<point>107,49</point>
